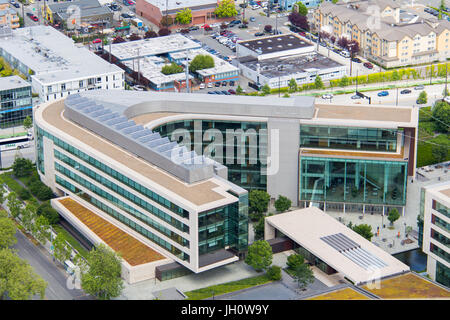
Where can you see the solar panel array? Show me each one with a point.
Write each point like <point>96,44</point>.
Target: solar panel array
<point>353,251</point>
<point>132,134</point>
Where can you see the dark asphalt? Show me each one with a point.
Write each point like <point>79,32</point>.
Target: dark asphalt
<point>43,265</point>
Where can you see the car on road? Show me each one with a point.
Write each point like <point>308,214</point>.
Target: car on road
<point>405,91</point>
<point>224,84</point>
<point>355,97</point>
<point>138,88</point>
<point>15,4</point>
<point>210,85</point>
<point>259,34</point>
<point>97,41</point>
<point>217,84</point>
<point>255,7</point>
<point>383,94</point>
<point>34,18</point>
<point>243,26</point>
<point>226,92</point>
<point>302,34</point>
<point>357,60</point>
<point>202,86</point>
<point>345,54</point>
<point>126,16</point>
<point>252,19</point>
<point>231,91</point>
<point>211,92</point>
<point>420,87</point>
<point>327,96</point>
<point>368,65</point>
<point>194,28</point>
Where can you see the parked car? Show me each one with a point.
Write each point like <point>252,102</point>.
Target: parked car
<point>302,34</point>
<point>138,88</point>
<point>217,84</point>
<point>243,26</point>
<point>231,83</point>
<point>345,54</point>
<point>14,3</point>
<point>405,91</point>
<point>126,16</point>
<point>355,97</point>
<point>327,96</point>
<point>259,34</point>
<point>210,85</point>
<point>34,18</point>
<point>368,65</point>
<point>357,60</point>
<point>226,92</point>
<point>97,41</point>
<point>383,94</point>
<point>224,84</point>
<point>202,86</point>
<point>211,92</point>
<point>419,87</point>
<point>232,91</point>
<point>252,19</point>
<point>193,28</point>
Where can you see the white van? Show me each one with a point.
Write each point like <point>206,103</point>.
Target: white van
<point>345,54</point>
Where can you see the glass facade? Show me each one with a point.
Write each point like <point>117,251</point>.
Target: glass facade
<point>440,252</point>
<point>368,139</point>
<point>106,169</point>
<point>440,238</point>
<point>244,165</point>
<point>354,181</point>
<point>441,208</point>
<point>107,209</point>
<point>442,274</point>
<point>224,226</point>
<point>15,106</point>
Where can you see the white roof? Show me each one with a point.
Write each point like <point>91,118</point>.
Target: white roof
<point>164,5</point>
<point>53,56</point>
<point>151,47</point>
<point>344,250</point>
<point>12,82</point>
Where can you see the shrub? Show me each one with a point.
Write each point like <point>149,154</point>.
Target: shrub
<point>22,167</point>
<point>24,194</point>
<point>258,201</point>
<point>282,204</point>
<point>422,98</point>
<point>46,210</point>
<point>171,69</point>
<point>44,193</point>
<point>259,255</point>
<point>274,273</point>
<point>295,260</point>
<point>201,61</point>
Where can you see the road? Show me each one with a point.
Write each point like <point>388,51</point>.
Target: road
<point>42,264</point>
<point>7,157</point>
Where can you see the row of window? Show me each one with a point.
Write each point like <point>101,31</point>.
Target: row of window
<point>114,187</point>
<point>146,233</point>
<point>120,204</point>
<point>117,175</point>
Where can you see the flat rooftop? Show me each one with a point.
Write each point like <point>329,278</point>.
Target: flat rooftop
<point>53,56</point>
<point>288,65</point>
<point>151,47</point>
<point>88,8</point>
<point>175,5</point>
<point>12,82</point>
<point>341,294</point>
<point>409,286</point>
<point>276,43</point>
<point>338,246</point>
<point>131,250</point>
<point>201,193</point>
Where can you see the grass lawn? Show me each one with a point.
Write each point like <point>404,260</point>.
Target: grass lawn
<point>223,288</point>
<point>73,242</point>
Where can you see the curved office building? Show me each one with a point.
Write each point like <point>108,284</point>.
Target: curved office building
<point>173,169</point>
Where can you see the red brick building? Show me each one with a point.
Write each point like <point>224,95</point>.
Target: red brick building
<point>202,11</point>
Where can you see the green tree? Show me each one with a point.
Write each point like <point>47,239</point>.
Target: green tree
<point>302,9</point>
<point>258,229</point>
<point>103,277</point>
<point>201,61</point>
<point>225,9</point>
<point>344,81</point>
<point>293,85</point>
<point>295,260</point>
<point>303,275</point>
<point>28,215</point>
<point>258,201</point>
<point>22,167</point>
<point>282,204</point>
<point>171,69</point>
<point>439,152</point>
<point>2,194</point>
<point>184,16</point>
<point>318,84</point>
<point>61,250</point>
<point>441,114</point>
<point>395,76</point>
<point>334,1</point>
<point>274,273</point>
<point>239,90</point>
<point>7,232</point>
<point>259,255</point>
<point>422,98</point>
<point>442,5</point>
<point>17,278</point>
<point>393,215</point>
<point>27,123</point>
<point>24,194</point>
<point>364,230</point>
<point>46,210</point>
<point>14,204</point>
<point>265,90</point>
<point>41,229</point>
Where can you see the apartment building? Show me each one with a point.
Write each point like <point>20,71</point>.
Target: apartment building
<point>388,33</point>
<point>8,16</point>
<point>435,210</point>
<point>55,65</point>
<point>15,101</point>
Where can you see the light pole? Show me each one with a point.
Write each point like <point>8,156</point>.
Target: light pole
<point>396,99</point>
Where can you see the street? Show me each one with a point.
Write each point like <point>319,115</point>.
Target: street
<point>7,157</point>
<point>43,265</point>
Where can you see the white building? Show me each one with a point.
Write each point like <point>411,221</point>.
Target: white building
<point>56,67</point>
<point>275,60</point>
<point>435,210</point>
